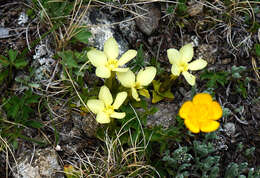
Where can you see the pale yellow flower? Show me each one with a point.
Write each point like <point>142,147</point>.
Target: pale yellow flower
<point>201,114</point>
<point>144,78</point>
<point>180,62</point>
<point>103,106</point>
<point>107,61</point>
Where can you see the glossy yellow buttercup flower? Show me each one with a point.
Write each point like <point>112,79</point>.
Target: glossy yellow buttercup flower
<point>103,106</point>
<point>144,78</point>
<point>106,61</point>
<point>201,113</point>
<point>180,62</point>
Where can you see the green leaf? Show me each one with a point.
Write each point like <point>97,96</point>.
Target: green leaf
<point>156,97</point>
<point>3,75</point>
<point>4,61</point>
<point>257,49</point>
<point>237,70</point>
<point>68,59</point>
<point>144,93</point>
<point>83,35</point>
<point>20,63</point>
<point>34,124</point>
<point>12,55</point>
<point>215,78</point>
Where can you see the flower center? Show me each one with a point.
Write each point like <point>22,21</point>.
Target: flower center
<point>137,85</point>
<point>183,66</point>
<point>109,110</point>
<point>112,64</point>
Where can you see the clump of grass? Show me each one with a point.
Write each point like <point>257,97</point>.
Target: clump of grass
<point>115,159</point>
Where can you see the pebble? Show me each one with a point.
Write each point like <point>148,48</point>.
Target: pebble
<point>150,22</point>
<point>4,32</point>
<point>194,8</point>
<point>226,61</point>
<point>230,128</point>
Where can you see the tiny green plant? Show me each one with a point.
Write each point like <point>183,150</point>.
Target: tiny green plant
<point>13,61</point>
<point>235,75</point>
<point>19,111</point>
<point>198,159</point>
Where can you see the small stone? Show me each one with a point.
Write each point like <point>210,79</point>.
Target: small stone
<point>4,32</point>
<point>195,41</point>
<point>226,61</point>
<point>23,19</point>
<point>150,20</point>
<point>230,129</point>
<point>207,52</point>
<point>194,8</point>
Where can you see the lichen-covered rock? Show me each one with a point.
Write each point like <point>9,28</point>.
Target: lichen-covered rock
<point>101,27</point>
<point>41,163</point>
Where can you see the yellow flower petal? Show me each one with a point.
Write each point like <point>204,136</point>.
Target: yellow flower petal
<point>186,52</point>
<point>197,64</point>
<point>135,94</point>
<point>173,55</point>
<point>216,110</point>
<point>146,76</point>
<point>186,108</point>
<point>105,96</point>
<point>103,72</point>
<point>209,126</point>
<point>111,48</point>
<point>126,57</point>
<point>175,69</point>
<point>193,126</point>
<point>189,78</point>
<point>118,115</point>
<point>120,98</point>
<point>95,105</point>
<point>102,118</point>
<point>127,79</point>
<point>120,69</point>
<point>202,98</point>
<point>97,58</point>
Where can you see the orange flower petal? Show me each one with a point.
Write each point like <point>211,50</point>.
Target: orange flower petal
<point>186,108</point>
<point>202,98</point>
<point>216,110</point>
<point>209,126</point>
<point>193,126</point>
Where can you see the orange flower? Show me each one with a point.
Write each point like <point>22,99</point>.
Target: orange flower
<point>201,113</point>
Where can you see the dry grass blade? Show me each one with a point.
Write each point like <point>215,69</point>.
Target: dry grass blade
<point>7,150</point>
<point>256,69</point>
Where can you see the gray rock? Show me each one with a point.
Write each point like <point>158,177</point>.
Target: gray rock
<point>41,163</point>
<point>230,129</point>
<point>4,32</point>
<point>150,20</point>
<point>101,28</point>
<point>88,124</point>
<point>128,29</point>
<point>165,116</point>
